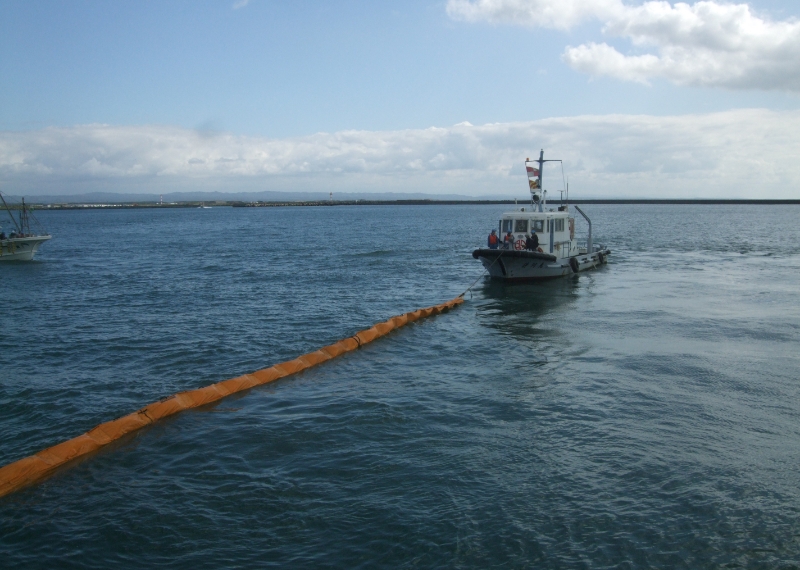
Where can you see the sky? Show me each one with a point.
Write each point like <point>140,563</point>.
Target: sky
<point>639,98</point>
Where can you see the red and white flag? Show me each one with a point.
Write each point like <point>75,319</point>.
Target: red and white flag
<point>532,172</point>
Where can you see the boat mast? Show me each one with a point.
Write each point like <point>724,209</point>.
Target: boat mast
<point>538,195</point>
<point>10,214</point>
<point>23,220</point>
<point>541,188</point>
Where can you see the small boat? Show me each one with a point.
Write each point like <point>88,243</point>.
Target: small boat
<point>557,253</point>
<point>22,243</point>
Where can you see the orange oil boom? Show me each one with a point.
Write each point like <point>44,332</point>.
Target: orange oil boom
<point>35,468</point>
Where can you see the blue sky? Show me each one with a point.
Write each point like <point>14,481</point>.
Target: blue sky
<point>280,95</point>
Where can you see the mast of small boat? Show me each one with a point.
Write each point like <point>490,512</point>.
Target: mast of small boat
<point>10,214</point>
<point>24,223</point>
<point>541,188</point>
<point>538,194</point>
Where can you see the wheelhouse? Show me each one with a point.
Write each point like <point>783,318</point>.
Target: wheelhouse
<point>555,230</point>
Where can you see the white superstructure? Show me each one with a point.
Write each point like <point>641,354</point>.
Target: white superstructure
<point>21,248</point>
<point>557,253</point>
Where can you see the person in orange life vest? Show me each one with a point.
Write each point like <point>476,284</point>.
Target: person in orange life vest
<point>508,241</point>
<point>493,241</point>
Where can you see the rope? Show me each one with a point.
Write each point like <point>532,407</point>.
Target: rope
<point>485,269</point>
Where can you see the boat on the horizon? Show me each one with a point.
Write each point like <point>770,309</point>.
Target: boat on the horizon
<point>524,255</point>
<point>21,243</point>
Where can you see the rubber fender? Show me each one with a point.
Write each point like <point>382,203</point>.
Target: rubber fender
<point>600,257</point>
<point>573,263</point>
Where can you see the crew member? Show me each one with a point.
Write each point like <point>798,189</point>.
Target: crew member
<point>532,242</point>
<point>508,241</point>
<point>493,241</point>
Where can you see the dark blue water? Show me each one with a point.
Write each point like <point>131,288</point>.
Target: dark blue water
<point>642,415</point>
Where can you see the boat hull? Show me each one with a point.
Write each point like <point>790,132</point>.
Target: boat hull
<point>20,249</point>
<point>513,266</point>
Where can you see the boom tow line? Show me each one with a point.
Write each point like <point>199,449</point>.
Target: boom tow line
<point>485,270</point>
<point>35,468</point>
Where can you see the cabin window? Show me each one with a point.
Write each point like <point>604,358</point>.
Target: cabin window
<point>558,225</point>
<point>537,225</point>
<point>521,226</point>
<point>506,226</point>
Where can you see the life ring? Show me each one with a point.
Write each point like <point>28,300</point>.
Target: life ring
<point>600,257</point>
<point>519,244</point>
<point>573,263</point>
<point>540,250</point>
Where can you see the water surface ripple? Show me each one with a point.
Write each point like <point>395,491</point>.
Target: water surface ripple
<point>642,415</point>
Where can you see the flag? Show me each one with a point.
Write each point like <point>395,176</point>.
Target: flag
<point>532,172</point>
<point>534,184</point>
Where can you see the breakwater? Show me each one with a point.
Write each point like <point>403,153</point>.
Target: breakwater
<point>326,203</point>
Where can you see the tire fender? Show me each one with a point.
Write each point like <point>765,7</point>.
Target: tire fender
<point>573,263</point>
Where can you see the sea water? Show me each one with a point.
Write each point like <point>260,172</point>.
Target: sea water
<point>645,414</point>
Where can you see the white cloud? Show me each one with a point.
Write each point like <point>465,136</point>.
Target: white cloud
<point>560,14</point>
<point>706,43</point>
<point>240,4</point>
<point>746,153</point>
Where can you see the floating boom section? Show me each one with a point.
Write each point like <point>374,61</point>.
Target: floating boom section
<point>35,468</point>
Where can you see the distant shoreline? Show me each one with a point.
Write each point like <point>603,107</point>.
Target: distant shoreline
<point>281,204</point>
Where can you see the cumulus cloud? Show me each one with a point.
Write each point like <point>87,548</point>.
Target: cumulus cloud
<point>706,43</point>
<point>745,153</point>
<point>561,14</point>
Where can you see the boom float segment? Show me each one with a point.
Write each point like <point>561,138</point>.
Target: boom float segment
<point>35,468</point>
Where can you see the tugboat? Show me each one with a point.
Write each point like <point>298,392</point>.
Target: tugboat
<point>21,244</point>
<point>557,254</point>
